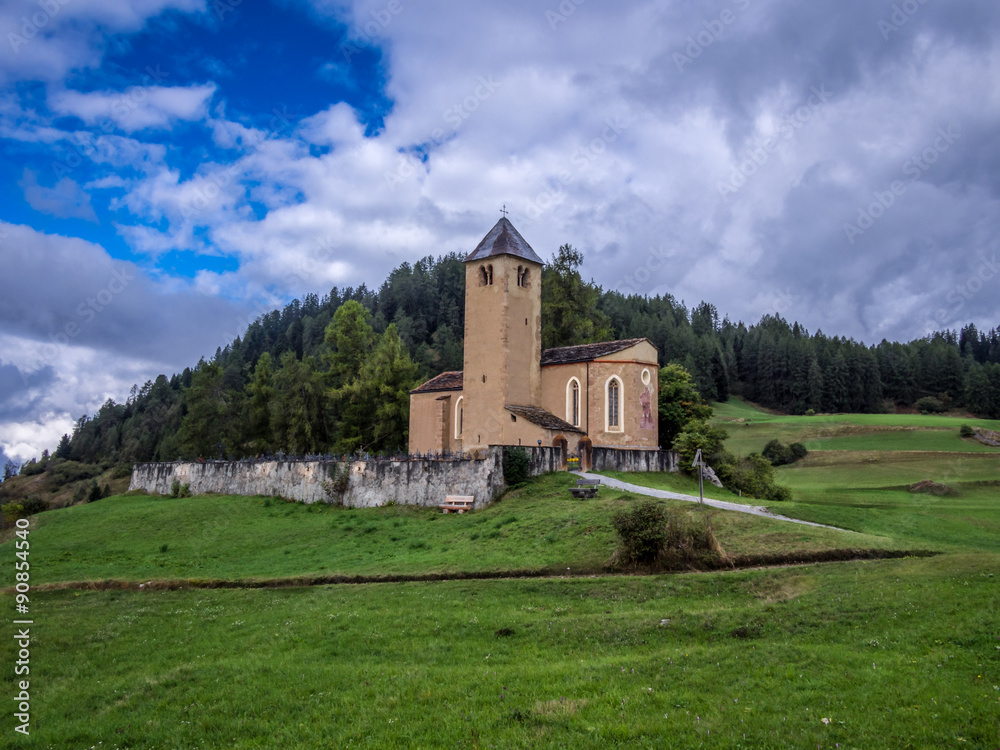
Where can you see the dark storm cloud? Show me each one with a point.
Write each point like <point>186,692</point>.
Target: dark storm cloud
<point>67,291</point>
<point>19,391</point>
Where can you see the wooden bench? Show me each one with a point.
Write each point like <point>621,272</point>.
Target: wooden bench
<point>457,503</point>
<point>585,488</point>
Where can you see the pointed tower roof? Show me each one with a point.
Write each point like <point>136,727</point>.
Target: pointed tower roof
<point>503,239</point>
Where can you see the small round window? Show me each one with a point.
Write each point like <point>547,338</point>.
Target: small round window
<point>645,377</point>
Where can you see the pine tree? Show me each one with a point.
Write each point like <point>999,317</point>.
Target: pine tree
<point>260,393</point>
<point>570,313</point>
<point>64,450</point>
<point>350,338</point>
<point>374,407</point>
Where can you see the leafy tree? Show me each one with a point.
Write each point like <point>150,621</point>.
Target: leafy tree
<point>570,313</point>
<point>754,477</point>
<point>9,470</point>
<point>678,403</point>
<point>699,434</point>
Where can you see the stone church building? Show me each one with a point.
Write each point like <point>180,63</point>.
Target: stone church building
<point>513,393</point>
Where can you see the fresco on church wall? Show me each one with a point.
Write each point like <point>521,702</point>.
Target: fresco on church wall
<point>646,401</point>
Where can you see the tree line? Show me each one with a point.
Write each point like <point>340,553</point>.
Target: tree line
<point>332,373</point>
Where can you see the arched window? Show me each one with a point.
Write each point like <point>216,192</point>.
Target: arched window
<point>614,405</point>
<point>573,402</point>
<point>522,276</point>
<point>459,416</point>
<point>482,276</point>
<point>489,275</point>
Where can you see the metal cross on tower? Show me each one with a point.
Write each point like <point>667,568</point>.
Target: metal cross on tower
<point>504,210</point>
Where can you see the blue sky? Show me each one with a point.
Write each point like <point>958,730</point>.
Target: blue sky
<point>170,169</point>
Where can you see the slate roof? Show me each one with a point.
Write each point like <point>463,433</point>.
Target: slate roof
<point>564,355</point>
<point>543,418</point>
<point>503,239</point>
<point>446,381</point>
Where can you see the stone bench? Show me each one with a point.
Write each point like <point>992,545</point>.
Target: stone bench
<point>585,488</point>
<point>457,503</point>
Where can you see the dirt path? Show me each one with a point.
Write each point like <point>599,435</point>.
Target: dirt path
<point>664,494</point>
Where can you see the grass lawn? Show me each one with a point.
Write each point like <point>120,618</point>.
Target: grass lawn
<point>539,527</point>
<point>751,428</point>
<point>899,653</point>
<point>896,653</point>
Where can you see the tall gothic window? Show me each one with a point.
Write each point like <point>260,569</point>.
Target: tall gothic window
<point>459,416</point>
<point>575,399</point>
<point>614,404</point>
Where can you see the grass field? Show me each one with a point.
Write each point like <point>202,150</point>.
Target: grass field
<point>751,428</point>
<point>539,527</point>
<point>896,653</point>
<point>891,654</point>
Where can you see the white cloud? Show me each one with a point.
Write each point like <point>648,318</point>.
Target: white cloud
<point>136,108</point>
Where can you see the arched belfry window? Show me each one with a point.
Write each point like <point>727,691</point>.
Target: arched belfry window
<point>573,402</point>
<point>522,276</point>
<point>614,404</point>
<point>489,275</point>
<point>486,275</point>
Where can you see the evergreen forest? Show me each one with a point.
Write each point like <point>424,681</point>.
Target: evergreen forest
<point>332,373</point>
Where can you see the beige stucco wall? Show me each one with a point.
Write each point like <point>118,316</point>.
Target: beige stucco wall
<point>503,349</point>
<point>431,421</point>
<point>628,365</point>
<point>554,381</point>
<point>638,404</point>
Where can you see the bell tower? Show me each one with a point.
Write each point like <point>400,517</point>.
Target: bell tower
<point>503,334</point>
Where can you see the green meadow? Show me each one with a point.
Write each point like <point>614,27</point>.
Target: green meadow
<point>900,653</point>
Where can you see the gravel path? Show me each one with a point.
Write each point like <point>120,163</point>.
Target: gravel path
<point>751,509</point>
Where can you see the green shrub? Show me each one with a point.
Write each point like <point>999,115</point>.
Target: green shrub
<point>94,493</point>
<point>780,455</point>
<point>965,431</point>
<point>642,532</point>
<point>336,483</point>
<point>753,476</point>
<point>32,468</point>
<point>33,505</point>
<point>649,535</point>
<point>121,471</point>
<point>175,488</point>
<point>931,405</point>
<point>516,466</point>
<point>810,412</point>
<point>12,511</point>
<point>64,472</point>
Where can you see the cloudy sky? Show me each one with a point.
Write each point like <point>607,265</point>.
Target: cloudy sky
<point>173,168</point>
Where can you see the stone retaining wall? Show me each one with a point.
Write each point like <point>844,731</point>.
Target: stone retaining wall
<point>633,459</point>
<point>379,481</point>
<point>372,483</point>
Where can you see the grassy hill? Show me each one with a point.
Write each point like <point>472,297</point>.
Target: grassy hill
<point>894,653</point>
<point>538,527</point>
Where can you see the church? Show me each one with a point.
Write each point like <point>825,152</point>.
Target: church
<point>511,392</point>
